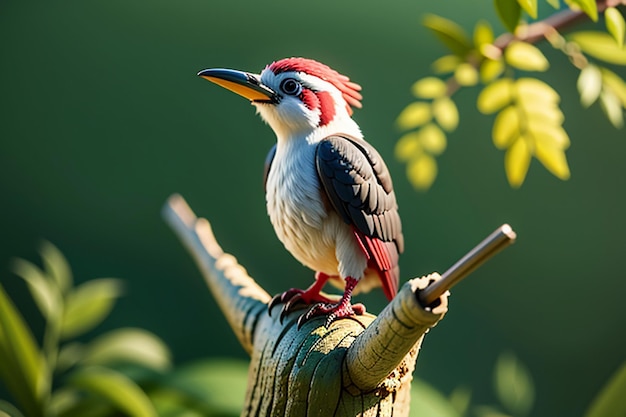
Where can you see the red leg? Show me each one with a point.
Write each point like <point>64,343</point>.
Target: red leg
<point>295,296</point>
<point>338,310</point>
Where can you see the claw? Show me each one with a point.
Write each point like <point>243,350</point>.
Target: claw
<point>333,312</point>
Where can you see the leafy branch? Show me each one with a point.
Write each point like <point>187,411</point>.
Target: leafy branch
<point>529,121</point>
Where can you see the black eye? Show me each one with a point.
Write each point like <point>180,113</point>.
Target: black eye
<point>291,87</point>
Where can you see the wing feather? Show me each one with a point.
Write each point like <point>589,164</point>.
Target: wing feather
<point>358,185</point>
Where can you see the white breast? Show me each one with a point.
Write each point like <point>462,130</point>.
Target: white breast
<point>313,233</point>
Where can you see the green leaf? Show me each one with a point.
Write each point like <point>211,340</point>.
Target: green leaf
<point>512,381</point>
<point>218,383</point>
<point>506,127</point>
<point>612,107</point>
<point>22,366</point>
<point>483,34</point>
<point>9,410</point>
<point>554,3</point>
<point>115,388</point>
<point>615,25</point>
<point>88,305</point>
<point>517,161</point>
<point>466,75</point>
<point>130,345</point>
<point>429,87</point>
<point>588,6</point>
<point>45,293</point>
<point>446,64</point>
<point>600,45</point>
<point>524,56</point>
<point>509,12</point>
<point>552,157</point>
<point>615,84</point>
<point>589,85</point>
<point>610,401</point>
<point>427,401</point>
<point>415,114</point>
<point>460,399</point>
<point>495,96</point>
<point>490,70</point>
<point>449,33</point>
<point>533,92</point>
<point>422,171</point>
<point>432,139</point>
<point>56,266</point>
<point>408,146</point>
<point>529,6</point>
<point>488,411</point>
<point>446,113</point>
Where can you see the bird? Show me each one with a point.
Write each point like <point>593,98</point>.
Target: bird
<point>329,194</point>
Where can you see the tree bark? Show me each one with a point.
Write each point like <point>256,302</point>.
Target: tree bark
<point>361,366</point>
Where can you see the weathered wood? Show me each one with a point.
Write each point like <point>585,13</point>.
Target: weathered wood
<point>361,366</point>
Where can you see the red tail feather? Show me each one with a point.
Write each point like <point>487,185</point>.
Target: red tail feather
<point>383,257</point>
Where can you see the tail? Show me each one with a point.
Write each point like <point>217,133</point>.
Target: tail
<point>383,257</point>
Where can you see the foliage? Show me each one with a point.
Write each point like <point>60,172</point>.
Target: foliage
<point>528,119</point>
<point>515,393</point>
<point>65,377</point>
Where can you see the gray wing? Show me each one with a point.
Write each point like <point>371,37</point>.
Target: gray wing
<point>358,185</point>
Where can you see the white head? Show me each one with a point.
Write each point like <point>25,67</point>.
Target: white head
<point>297,97</point>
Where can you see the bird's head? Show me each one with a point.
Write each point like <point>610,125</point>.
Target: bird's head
<point>297,97</point>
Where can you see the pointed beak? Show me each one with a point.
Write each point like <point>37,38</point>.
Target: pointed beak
<point>243,83</point>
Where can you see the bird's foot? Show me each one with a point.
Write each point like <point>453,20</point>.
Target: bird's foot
<point>295,297</point>
<point>333,311</point>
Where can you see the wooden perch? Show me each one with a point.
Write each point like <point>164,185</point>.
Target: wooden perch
<point>360,366</point>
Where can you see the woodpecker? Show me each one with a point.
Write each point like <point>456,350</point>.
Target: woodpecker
<point>329,194</point>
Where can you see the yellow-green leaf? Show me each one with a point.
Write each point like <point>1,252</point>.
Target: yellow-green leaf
<point>554,135</point>
<point>415,114</point>
<point>490,70</point>
<point>615,25</point>
<point>56,265</point>
<point>600,45</point>
<point>495,96</point>
<point>552,157</point>
<point>506,127</point>
<point>115,388</point>
<point>612,107</point>
<point>432,139</point>
<point>589,85</point>
<point>129,345</point>
<point>45,293</point>
<point>446,113</point>
<point>22,368</point>
<point>466,75</point>
<point>422,171</point>
<point>524,56</point>
<point>588,6</point>
<point>610,400</point>
<point>449,33</point>
<point>446,64</point>
<point>554,3</point>
<point>408,146</point>
<point>615,84</point>
<point>536,92</point>
<point>529,6</point>
<point>88,305</point>
<point>550,114</point>
<point>483,34</point>
<point>509,12</point>
<point>429,87</point>
<point>513,384</point>
<point>517,161</point>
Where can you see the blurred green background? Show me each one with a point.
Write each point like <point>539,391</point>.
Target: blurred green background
<point>102,117</point>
